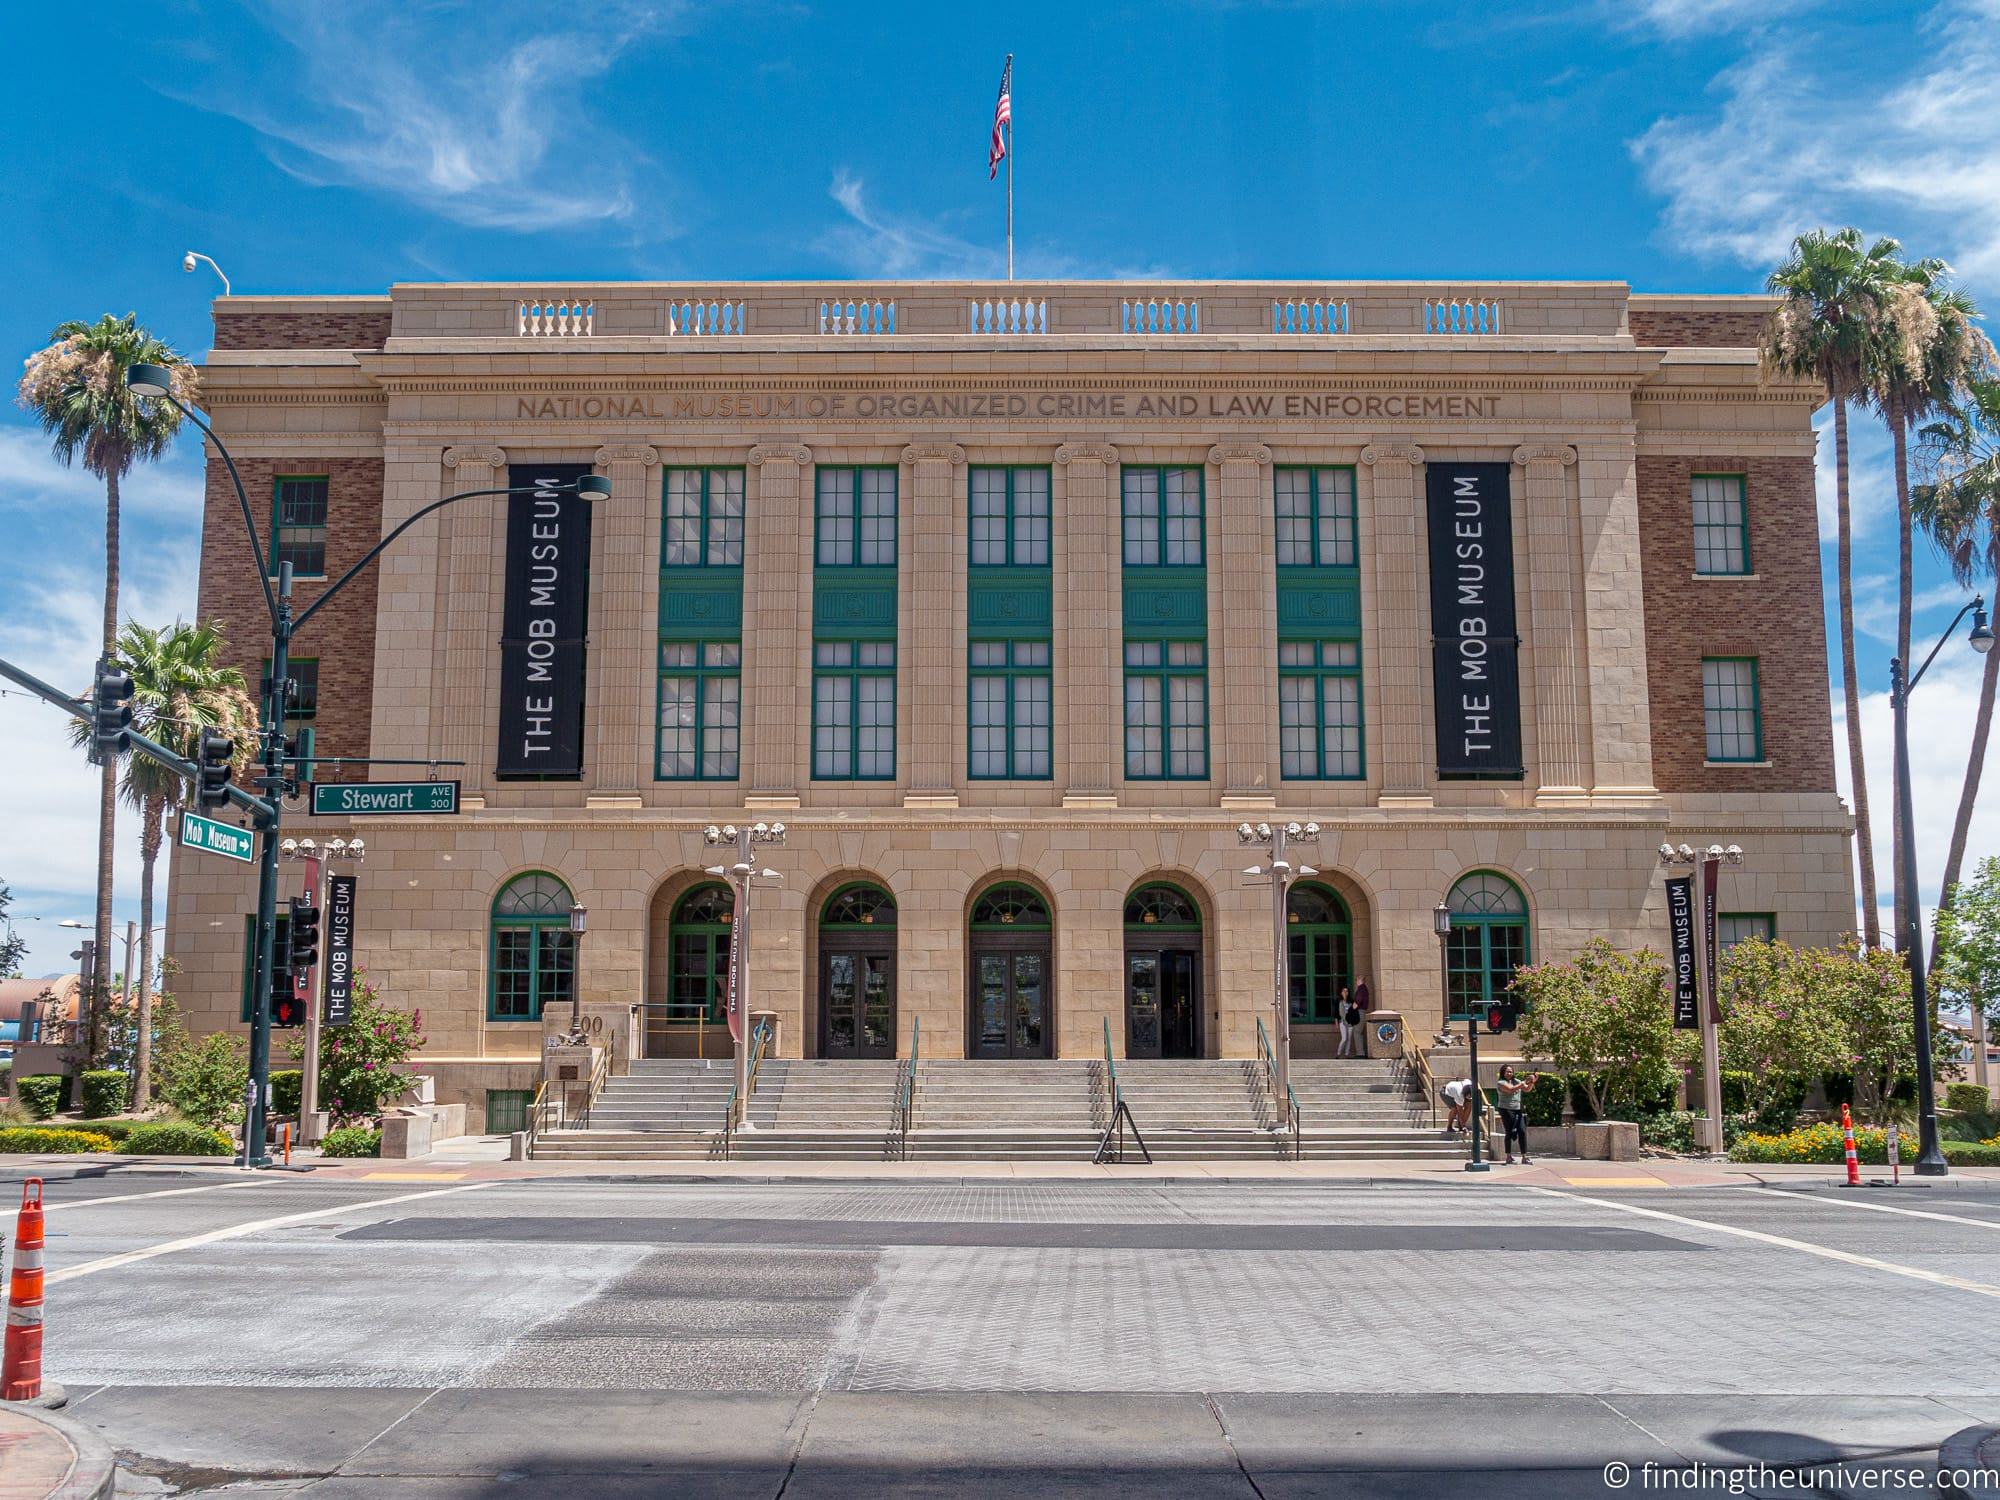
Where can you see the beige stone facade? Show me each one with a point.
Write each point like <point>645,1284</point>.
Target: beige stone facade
<point>433,389</point>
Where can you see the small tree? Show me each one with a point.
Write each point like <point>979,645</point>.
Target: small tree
<point>203,1078</point>
<point>1872,990</point>
<point>1966,969</point>
<point>1603,1018</point>
<point>359,1063</point>
<point>1781,1029</point>
<point>13,947</point>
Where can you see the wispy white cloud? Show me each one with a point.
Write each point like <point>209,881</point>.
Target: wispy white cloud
<point>479,114</point>
<point>1789,145</point>
<point>30,478</point>
<point>1686,18</point>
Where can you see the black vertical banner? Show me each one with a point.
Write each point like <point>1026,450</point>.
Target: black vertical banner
<point>340,894</point>
<point>545,621</point>
<point>1710,874</point>
<point>1474,642</point>
<point>1680,930</point>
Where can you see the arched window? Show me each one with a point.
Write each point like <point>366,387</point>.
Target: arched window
<point>533,954</point>
<point>1488,942</point>
<point>1161,906</point>
<point>698,955</point>
<point>1010,905</point>
<point>1321,962</point>
<point>859,905</point>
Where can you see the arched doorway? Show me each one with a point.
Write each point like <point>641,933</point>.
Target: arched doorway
<point>697,974</point>
<point>857,973</point>
<point>1162,973</point>
<point>1321,964</point>
<point>1010,1007</point>
<point>1488,942</point>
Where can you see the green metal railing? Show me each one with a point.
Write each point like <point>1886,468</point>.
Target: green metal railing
<point>1291,1100</point>
<point>906,1089</point>
<point>760,1036</point>
<point>1111,1070</point>
<point>1121,1115</point>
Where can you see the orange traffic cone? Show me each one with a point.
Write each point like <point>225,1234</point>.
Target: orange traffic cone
<point>1855,1163</point>
<point>21,1374</point>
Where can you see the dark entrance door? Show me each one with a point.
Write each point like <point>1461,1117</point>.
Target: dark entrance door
<point>1010,998</point>
<point>857,1000</point>
<point>1163,1002</point>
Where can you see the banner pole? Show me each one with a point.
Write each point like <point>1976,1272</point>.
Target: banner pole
<point>1010,191</point>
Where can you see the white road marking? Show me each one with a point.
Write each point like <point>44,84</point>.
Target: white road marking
<point>51,1204</point>
<point>1882,1208</point>
<point>1824,1252</point>
<point>237,1231</point>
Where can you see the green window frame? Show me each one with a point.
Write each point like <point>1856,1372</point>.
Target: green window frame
<point>699,734</point>
<point>1008,516</point>
<point>1721,524</point>
<point>856,905</point>
<point>507,1110</point>
<point>1320,731</point>
<point>701,517</point>
<point>1009,711</point>
<point>854,711</point>
<point>298,524</point>
<point>1164,509</point>
<point>698,956</point>
<point>1732,927</point>
<point>854,516</point>
<point>1732,710</point>
<point>281,959</point>
<point>530,951</point>
<point>1317,522</point>
<point>1320,939</point>
<point>1488,939</point>
<point>1010,906</point>
<point>1166,711</point>
<point>1160,905</point>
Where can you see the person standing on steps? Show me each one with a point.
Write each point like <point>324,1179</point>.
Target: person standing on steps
<point>1343,1005</point>
<point>1354,1026</point>
<point>1514,1110</point>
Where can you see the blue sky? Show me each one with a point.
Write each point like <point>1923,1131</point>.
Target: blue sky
<point>1676,144</point>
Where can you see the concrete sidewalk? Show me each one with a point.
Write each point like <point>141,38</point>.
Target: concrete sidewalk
<point>47,1457</point>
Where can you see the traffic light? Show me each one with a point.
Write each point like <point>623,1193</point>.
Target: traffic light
<point>1502,1015</point>
<point>287,1009</point>
<point>304,934</point>
<point>212,759</point>
<point>111,711</point>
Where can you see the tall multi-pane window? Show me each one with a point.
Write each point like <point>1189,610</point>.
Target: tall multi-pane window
<point>298,525</point>
<point>1163,517</point>
<point>1009,710</point>
<point>1010,517</point>
<point>701,686</point>
<point>1315,517</point>
<point>1730,711</point>
<point>854,710</point>
<point>704,519</point>
<point>1166,710</point>
<point>533,961</point>
<point>854,514</point>
<point>1319,710</point>
<point>1721,524</point>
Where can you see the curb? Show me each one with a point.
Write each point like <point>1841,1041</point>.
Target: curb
<point>94,1473</point>
<point>1968,1448</point>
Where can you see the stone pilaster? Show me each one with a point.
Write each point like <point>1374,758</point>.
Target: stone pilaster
<point>1403,739</point>
<point>1614,622</point>
<point>777,624</point>
<point>1090,633</point>
<point>1560,689</point>
<point>930,651</point>
<point>626,600</point>
<point>470,603</point>
<point>1243,610</point>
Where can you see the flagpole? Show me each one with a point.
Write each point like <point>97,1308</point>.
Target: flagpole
<point>1010,197</point>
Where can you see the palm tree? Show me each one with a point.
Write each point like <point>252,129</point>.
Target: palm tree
<point>76,389</point>
<point>1832,288</point>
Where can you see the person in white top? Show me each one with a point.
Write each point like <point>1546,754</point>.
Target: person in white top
<point>1458,1096</point>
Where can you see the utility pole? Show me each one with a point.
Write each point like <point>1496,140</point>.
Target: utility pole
<point>1275,837</point>
<point>742,876</point>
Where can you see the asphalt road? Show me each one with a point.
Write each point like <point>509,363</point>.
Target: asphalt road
<point>572,1337</point>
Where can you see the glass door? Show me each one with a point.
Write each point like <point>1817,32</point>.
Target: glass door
<point>1010,1002</point>
<point>1180,1005</point>
<point>1142,1005</point>
<point>857,1004</point>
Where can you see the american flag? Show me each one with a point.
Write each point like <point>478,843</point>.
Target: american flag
<point>1003,120</point>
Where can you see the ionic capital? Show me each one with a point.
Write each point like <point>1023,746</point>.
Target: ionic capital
<point>1392,452</point>
<point>1103,453</point>
<point>493,458</point>
<point>918,453</point>
<point>1545,453</point>
<point>627,453</point>
<point>1255,453</point>
<point>790,453</point>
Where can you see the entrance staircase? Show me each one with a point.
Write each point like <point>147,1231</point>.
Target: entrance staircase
<point>1187,1110</point>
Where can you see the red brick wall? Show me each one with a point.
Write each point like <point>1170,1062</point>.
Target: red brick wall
<point>342,636</point>
<point>359,327</point>
<point>1664,328</point>
<point>1777,617</point>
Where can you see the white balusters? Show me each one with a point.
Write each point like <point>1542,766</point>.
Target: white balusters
<point>705,317</point>
<point>557,317</point>
<point>1160,315</point>
<point>864,316</point>
<point>1461,315</point>
<point>1310,315</point>
<point>1004,316</point>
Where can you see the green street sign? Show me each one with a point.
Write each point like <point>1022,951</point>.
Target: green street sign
<point>369,799</point>
<point>225,839</point>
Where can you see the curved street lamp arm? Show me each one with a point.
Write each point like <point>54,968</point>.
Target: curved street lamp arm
<point>380,547</point>
<point>1918,676</point>
<point>242,499</point>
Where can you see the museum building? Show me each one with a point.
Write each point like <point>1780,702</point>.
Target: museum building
<point>1012,602</point>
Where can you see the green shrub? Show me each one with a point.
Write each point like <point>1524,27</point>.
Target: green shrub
<point>352,1140</point>
<point>1971,1153</point>
<point>1967,1098</point>
<point>1674,1130</point>
<point>42,1095</point>
<point>203,1078</point>
<point>40,1141</point>
<point>286,1087</point>
<point>102,1092</point>
<point>176,1139</point>
<point>1544,1104</point>
<point>112,1130</point>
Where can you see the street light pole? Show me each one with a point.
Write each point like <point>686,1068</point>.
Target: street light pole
<point>1441,924</point>
<point>577,922</point>
<point>1708,1004</point>
<point>742,875</point>
<point>156,382</point>
<point>1275,837</point>
<point>1930,1155</point>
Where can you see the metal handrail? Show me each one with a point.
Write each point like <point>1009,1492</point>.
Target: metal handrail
<point>906,1089</point>
<point>1111,1069</point>
<point>1416,1062</point>
<point>535,1110</point>
<point>759,1035</point>
<point>1293,1117</point>
<point>598,1074</point>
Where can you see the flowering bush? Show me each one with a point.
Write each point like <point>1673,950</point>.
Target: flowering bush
<point>352,1140</point>
<point>45,1142</point>
<point>360,1063</point>
<point>1823,1144</point>
<point>1603,1019</point>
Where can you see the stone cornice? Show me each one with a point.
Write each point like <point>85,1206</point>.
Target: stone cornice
<point>1103,453</point>
<point>627,453</point>
<point>1222,453</point>
<point>1545,452</point>
<point>917,453</point>
<point>797,453</point>
<point>1396,451</point>
<point>493,458</point>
